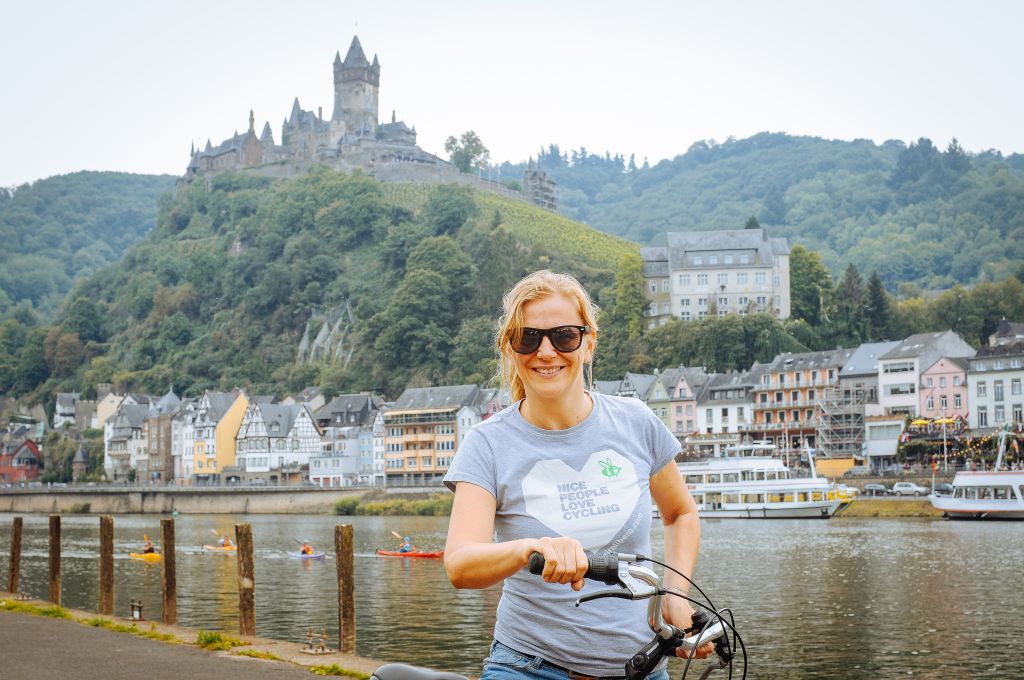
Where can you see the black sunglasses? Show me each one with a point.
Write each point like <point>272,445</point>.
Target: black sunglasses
<point>563,338</point>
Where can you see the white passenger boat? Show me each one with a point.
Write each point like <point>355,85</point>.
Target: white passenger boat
<point>995,494</point>
<point>749,482</point>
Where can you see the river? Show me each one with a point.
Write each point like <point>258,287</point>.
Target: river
<point>839,598</point>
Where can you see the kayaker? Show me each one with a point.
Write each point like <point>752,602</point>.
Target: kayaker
<point>225,542</point>
<point>148,547</point>
<point>561,470</point>
<point>406,546</point>
<point>306,549</point>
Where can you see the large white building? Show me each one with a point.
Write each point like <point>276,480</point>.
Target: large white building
<point>737,271</point>
<point>994,387</point>
<point>900,369</point>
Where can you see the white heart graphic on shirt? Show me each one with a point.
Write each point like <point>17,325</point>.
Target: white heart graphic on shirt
<point>591,505</point>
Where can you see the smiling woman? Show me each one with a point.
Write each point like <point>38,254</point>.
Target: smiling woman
<point>561,471</point>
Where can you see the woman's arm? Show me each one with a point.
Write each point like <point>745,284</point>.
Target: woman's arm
<point>473,560</point>
<point>682,543</point>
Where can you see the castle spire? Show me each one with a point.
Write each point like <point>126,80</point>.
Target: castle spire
<point>356,58</point>
<point>252,122</point>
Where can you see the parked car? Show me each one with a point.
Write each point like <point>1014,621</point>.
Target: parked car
<point>909,489</point>
<point>943,489</point>
<point>858,471</point>
<point>876,490</point>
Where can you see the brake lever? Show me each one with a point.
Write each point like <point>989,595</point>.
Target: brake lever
<point>621,594</point>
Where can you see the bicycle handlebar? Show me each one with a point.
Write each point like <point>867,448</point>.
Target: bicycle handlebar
<point>638,583</point>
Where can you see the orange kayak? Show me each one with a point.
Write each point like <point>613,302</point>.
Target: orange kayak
<point>221,548</point>
<point>413,553</point>
<point>146,557</point>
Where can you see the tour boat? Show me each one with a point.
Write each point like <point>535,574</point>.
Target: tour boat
<point>995,494</point>
<point>750,482</point>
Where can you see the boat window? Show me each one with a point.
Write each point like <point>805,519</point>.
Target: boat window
<point>774,498</point>
<point>1003,493</point>
<point>730,498</point>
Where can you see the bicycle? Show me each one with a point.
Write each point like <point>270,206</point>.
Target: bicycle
<point>636,582</point>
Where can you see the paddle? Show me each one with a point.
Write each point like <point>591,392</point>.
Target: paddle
<point>397,535</point>
<point>218,535</point>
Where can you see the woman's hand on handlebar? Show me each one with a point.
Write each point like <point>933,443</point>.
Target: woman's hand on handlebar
<point>679,613</point>
<point>564,560</point>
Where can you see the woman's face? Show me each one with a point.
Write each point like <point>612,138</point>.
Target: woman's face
<point>547,373</point>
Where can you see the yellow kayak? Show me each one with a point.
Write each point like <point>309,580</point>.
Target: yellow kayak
<point>220,548</point>
<point>146,557</point>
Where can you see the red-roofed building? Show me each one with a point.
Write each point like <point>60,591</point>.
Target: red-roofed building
<point>20,462</point>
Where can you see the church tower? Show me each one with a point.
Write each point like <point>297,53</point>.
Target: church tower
<point>356,83</point>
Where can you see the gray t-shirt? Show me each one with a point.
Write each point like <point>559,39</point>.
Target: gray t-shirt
<point>590,482</point>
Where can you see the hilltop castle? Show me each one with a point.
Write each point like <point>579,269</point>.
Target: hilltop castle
<point>351,138</point>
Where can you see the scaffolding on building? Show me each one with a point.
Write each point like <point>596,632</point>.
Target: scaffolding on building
<point>841,426</point>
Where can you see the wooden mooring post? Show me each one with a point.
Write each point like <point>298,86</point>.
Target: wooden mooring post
<point>346,588</point>
<point>12,575</point>
<point>54,561</point>
<point>106,565</point>
<point>246,580</point>
<point>168,576</point>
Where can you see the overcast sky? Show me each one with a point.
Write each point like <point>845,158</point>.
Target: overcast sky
<point>129,86</point>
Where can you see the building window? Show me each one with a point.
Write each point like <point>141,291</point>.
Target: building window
<point>665,285</point>
<point>982,416</point>
<point>930,404</point>
<point>742,278</point>
<point>702,302</point>
<point>943,402</point>
<point>727,259</point>
<point>698,260</point>
<point>1017,413</point>
<point>685,316</point>
<point>762,301</point>
<point>1015,386</point>
<point>723,301</point>
<point>760,278</point>
<point>702,279</point>
<point>942,381</point>
<point>982,389</point>
<point>928,381</point>
<point>712,259</point>
<point>684,279</point>
<point>709,415</point>
<point>654,286</point>
<point>956,401</point>
<point>744,259</point>
<point>723,279</point>
<point>956,381</point>
<point>997,390</point>
<point>743,301</point>
<point>999,413</point>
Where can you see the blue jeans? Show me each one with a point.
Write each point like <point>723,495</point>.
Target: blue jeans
<point>505,663</point>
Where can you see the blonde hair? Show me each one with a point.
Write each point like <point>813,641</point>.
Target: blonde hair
<point>536,286</point>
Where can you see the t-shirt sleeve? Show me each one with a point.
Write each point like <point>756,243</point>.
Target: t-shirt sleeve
<point>664,445</point>
<point>474,463</point>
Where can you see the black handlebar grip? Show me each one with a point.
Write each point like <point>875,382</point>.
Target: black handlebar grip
<point>602,566</point>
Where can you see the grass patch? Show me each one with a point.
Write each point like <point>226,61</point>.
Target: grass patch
<point>212,640</point>
<point>154,634</point>
<point>335,669</point>
<point>80,508</point>
<point>436,505</point>
<point>52,611</point>
<point>257,654</point>
<point>100,622</point>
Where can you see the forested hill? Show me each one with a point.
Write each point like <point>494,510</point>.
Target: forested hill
<point>61,228</point>
<point>400,283</point>
<point>916,214</point>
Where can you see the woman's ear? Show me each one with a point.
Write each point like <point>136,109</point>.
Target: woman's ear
<point>591,347</point>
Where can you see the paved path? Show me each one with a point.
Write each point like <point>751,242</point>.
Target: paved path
<point>35,647</point>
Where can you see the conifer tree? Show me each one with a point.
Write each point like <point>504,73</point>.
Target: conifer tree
<point>879,311</point>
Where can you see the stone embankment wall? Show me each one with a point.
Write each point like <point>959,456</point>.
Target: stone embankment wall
<point>166,501</point>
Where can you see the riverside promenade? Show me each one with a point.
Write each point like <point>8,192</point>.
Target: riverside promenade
<point>33,647</point>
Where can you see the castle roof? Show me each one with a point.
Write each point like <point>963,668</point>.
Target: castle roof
<point>355,57</point>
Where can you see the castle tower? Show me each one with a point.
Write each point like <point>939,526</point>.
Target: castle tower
<point>356,83</point>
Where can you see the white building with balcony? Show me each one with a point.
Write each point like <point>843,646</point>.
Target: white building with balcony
<point>701,273</point>
<point>900,369</point>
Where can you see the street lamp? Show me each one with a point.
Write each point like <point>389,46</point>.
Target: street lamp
<point>945,459</point>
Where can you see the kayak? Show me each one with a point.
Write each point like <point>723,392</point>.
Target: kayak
<point>414,553</point>
<point>146,557</point>
<point>305,556</point>
<point>221,548</point>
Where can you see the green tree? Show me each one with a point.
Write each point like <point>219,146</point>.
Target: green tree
<point>850,323</point>
<point>810,285</point>
<point>31,369</point>
<point>878,309</point>
<point>621,346</point>
<point>84,319</point>
<point>467,151</point>
<point>448,208</point>
<point>752,223</point>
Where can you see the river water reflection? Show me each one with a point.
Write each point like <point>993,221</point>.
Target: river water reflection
<point>842,598</point>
